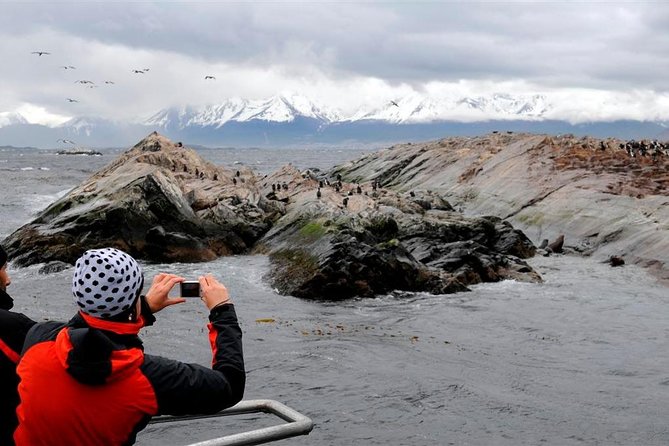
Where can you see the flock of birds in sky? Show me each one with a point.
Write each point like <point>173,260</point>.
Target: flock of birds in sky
<point>90,84</point>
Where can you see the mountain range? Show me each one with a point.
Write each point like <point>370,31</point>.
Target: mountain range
<point>293,119</point>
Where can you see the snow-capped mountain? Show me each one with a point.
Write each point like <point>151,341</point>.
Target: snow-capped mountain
<point>533,106</point>
<point>86,126</point>
<point>418,109</point>
<point>12,118</point>
<point>293,119</point>
<point>281,108</point>
<point>409,109</point>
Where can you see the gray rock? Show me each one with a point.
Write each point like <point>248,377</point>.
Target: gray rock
<point>322,249</point>
<point>53,267</point>
<point>158,202</point>
<point>544,186</point>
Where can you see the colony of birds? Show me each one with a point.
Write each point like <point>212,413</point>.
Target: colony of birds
<point>653,148</point>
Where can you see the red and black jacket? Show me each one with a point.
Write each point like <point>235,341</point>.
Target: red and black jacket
<point>13,329</point>
<point>88,382</point>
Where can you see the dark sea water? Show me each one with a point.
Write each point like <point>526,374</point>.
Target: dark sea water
<point>582,359</point>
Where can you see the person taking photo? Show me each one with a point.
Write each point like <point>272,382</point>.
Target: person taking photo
<point>89,382</point>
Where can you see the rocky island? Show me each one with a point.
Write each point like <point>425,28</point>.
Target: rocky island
<point>88,152</point>
<point>327,237</point>
<point>609,198</point>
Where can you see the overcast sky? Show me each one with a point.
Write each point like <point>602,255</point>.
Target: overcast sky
<point>592,59</point>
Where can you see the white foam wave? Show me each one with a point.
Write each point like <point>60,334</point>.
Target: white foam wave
<point>37,202</point>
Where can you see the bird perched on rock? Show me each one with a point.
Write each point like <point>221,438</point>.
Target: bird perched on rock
<point>616,261</point>
<point>358,189</point>
<point>345,201</point>
<point>234,181</point>
<point>318,193</point>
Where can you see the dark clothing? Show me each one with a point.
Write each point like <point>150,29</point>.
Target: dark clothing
<point>89,382</point>
<point>13,329</point>
<point>6,302</point>
<point>3,256</point>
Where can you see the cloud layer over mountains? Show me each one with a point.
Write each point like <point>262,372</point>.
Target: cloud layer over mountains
<point>590,60</point>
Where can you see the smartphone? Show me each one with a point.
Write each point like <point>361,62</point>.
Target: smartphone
<point>190,288</point>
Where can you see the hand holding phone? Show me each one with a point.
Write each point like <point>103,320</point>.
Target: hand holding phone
<point>157,295</point>
<point>213,292</point>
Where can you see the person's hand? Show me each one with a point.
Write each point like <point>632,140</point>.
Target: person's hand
<point>157,296</point>
<point>213,292</point>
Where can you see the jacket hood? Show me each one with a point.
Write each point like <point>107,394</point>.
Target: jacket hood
<point>96,356</point>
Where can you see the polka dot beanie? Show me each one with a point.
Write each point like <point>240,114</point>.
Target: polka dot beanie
<point>106,282</point>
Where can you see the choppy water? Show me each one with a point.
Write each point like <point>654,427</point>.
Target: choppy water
<point>582,359</point>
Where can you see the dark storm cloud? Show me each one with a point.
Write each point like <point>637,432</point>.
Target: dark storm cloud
<point>559,43</point>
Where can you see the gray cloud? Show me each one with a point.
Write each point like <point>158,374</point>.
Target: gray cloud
<point>592,45</point>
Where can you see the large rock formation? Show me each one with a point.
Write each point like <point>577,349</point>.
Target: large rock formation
<point>158,201</point>
<point>353,240</point>
<point>606,202</point>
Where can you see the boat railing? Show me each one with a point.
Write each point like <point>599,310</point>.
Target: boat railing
<point>296,423</point>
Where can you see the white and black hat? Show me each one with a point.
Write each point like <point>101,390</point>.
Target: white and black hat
<point>106,282</point>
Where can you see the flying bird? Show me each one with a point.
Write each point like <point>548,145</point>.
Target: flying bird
<point>83,82</point>
<point>68,67</point>
<point>41,53</point>
<point>71,100</point>
<point>394,103</point>
<point>138,71</point>
<point>66,141</point>
<point>109,82</point>
<point>209,77</point>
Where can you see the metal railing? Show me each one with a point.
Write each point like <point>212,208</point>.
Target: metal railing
<point>297,424</point>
